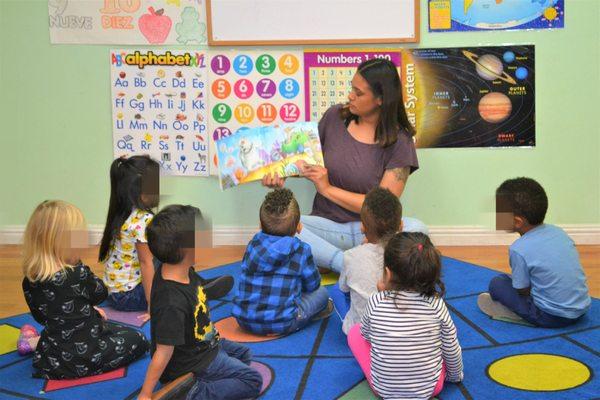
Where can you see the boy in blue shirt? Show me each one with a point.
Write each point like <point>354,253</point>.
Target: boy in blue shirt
<point>279,289</point>
<point>548,286</point>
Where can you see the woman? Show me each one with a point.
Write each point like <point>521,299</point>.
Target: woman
<point>366,142</point>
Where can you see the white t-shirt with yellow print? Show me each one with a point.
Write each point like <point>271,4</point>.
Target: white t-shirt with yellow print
<point>122,271</point>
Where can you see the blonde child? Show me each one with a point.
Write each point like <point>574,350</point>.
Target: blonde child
<point>128,263</point>
<point>406,343</point>
<point>62,295</point>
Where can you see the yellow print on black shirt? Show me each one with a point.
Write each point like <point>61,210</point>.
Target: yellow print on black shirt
<point>204,329</point>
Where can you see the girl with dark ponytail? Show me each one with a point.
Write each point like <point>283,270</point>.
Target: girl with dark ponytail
<point>406,343</point>
<point>129,270</point>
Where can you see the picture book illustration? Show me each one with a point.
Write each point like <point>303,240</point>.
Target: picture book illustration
<point>482,15</point>
<point>251,153</point>
<point>471,96</point>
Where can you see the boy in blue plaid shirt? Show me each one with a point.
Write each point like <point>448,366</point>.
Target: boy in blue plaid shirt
<point>279,289</point>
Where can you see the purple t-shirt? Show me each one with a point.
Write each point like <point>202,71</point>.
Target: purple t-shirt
<point>354,166</point>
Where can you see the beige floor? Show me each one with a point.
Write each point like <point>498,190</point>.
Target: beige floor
<point>496,257</point>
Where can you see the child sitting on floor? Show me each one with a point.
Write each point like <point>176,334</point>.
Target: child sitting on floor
<point>408,345</point>
<point>380,216</point>
<point>279,288</point>
<point>62,295</point>
<point>183,337</point>
<point>548,286</point>
<point>128,265</point>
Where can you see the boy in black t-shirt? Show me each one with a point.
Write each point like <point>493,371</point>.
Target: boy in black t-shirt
<point>183,337</point>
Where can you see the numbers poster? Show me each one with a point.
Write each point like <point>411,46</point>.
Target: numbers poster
<point>156,22</point>
<point>471,96</point>
<point>159,108</point>
<point>254,88</point>
<point>328,76</point>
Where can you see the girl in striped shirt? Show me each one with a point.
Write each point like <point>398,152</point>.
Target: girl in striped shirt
<point>406,343</point>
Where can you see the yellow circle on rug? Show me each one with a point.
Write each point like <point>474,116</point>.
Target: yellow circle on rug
<point>539,372</point>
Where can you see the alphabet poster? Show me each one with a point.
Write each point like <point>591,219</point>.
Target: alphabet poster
<point>159,108</point>
<point>253,88</point>
<point>156,22</point>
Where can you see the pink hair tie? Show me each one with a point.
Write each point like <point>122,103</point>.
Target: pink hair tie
<point>420,247</point>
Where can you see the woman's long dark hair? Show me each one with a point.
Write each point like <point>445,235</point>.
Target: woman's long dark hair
<point>382,77</point>
<point>129,179</point>
<point>415,264</point>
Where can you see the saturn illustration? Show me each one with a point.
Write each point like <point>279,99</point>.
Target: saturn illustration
<point>489,67</point>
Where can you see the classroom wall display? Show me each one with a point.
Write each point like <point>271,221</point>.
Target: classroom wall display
<point>253,88</point>
<point>159,108</point>
<point>328,75</point>
<point>134,22</point>
<point>482,15</point>
<point>294,21</point>
<point>471,96</point>
<point>285,150</point>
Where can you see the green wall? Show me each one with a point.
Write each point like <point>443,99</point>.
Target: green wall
<point>57,140</point>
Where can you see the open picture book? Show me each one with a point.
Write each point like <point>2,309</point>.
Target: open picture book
<point>252,153</point>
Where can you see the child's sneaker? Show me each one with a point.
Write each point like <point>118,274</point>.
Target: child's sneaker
<point>217,287</point>
<point>496,310</point>
<point>24,345</point>
<point>326,312</point>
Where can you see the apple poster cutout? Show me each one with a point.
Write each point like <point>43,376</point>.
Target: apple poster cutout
<point>158,100</point>
<point>253,88</point>
<point>155,22</point>
<point>155,26</point>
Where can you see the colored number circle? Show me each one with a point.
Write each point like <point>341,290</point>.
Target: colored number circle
<point>266,88</point>
<point>289,112</point>
<point>244,113</point>
<point>539,372</point>
<point>243,88</point>
<point>266,113</point>
<point>242,64</point>
<point>220,64</point>
<point>221,88</point>
<point>265,64</point>
<point>221,113</point>
<point>288,64</point>
<point>289,88</point>
<point>221,132</point>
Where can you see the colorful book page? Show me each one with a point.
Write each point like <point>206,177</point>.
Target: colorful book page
<point>284,150</point>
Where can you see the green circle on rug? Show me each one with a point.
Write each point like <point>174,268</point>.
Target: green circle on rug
<point>539,372</point>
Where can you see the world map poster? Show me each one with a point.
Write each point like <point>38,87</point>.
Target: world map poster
<point>485,15</point>
<point>471,96</point>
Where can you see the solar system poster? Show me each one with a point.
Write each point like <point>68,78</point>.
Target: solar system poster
<point>471,96</point>
<point>486,15</point>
